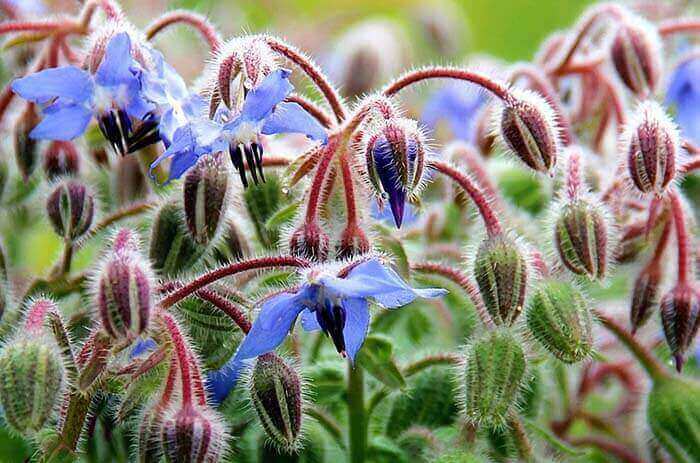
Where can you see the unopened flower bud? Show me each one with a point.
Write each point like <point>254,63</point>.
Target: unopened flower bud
<point>123,290</point>
<point>680,316</point>
<point>529,129</point>
<point>206,194</point>
<point>172,249</point>
<point>235,244</point>
<point>191,435</point>
<point>581,237</point>
<point>494,368</point>
<point>501,271</point>
<point>395,157</point>
<point>559,318</point>
<point>310,241</point>
<point>645,295</point>
<point>129,182</point>
<point>652,144</point>
<point>61,159</point>
<point>276,394</point>
<point>353,242</point>
<point>673,414</point>
<point>71,209</point>
<point>636,55</point>
<point>262,201</point>
<point>26,148</point>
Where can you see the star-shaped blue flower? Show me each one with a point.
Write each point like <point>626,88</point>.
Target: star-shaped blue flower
<point>459,104</point>
<point>263,112</point>
<point>684,93</point>
<point>70,97</point>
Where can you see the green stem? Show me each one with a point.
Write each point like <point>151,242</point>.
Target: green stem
<point>522,442</point>
<point>356,414</point>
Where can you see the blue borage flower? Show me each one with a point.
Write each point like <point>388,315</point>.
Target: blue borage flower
<point>684,93</point>
<point>263,112</point>
<point>459,104</point>
<point>70,97</point>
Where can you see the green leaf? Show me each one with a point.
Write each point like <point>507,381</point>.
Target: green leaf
<point>392,246</point>
<point>376,356</point>
<point>282,216</point>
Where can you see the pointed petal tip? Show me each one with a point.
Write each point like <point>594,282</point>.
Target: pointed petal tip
<point>397,208</point>
<point>680,361</point>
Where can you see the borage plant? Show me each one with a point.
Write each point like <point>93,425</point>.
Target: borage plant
<point>180,343</point>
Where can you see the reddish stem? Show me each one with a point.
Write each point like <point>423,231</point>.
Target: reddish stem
<point>197,21</point>
<point>613,448</point>
<point>573,176</point>
<point>616,99</point>
<point>412,77</point>
<point>349,189</point>
<point>493,225</point>
<point>34,322</point>
<point>693,164</point>
<point>681,237</point>
<point>110,8</point>
<point>318,181</point>
<point>183,356</point>
<point>674,26</point>
<point>36,26</point>
<point>228,270</point>
<point>167,394</point>
<point>314,110</point>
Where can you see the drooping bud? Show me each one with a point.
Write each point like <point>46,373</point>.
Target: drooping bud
<point>581,238</point>
<point>310,241</point>
<point>652,144</point>
<point>276,394</point>
<point>234,245</point>
<point>353,242</point>
<point>206,194</point>
<point>645,295</point>
<point>129,182</point>
<point>500,270</point>
<point>262,201</point>
<point>431,401</point>
<point>191,435</point>
<point>559,318</point>
<point>26,148</point>
<point>529,129</point>
<point>680,316</point>
<point>673,414</point>
<point>636,55</point>
<point>71,209</point>
<point>395,157</point>
<point>494,368</point>
<point>124,290</point>
<point>61,159</point>
<point>172,249</point>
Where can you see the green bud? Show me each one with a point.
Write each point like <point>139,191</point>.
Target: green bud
<point>31,379</point>
<point>559,318</point>
<point>205,197</point>
<point>493,373</point>
<point>418,444</point>
<point>430,401</point>
<point>313,450</point>
<point>581,237</point>
<point>262,201</point>
<point>172,249</point>
<point>71,209</point>
<point>500,270</point>
<point>673,413</point>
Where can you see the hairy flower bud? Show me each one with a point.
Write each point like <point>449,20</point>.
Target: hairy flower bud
<point>129,182</point>
<point>310,241</point>
<point>645,295</point>
<point>581,237</point>
<point>191,435</point>
<point>680,310</point>
<point>559,318</point>
<point>673,414</point>
<point>61,159</point>
<point>652,144</point>
<point>71,209</point>
<point>500,271</point>
<point>234,246</point>
<point>494,368</point>
<point>353,242</point>
<point>395,157</point>
<point>276,394</point>
<point>262,201</point>
<point>528,127</point>
<point>206,194</point>
<point>26,148</point>
<point>172,249</point>
<point>636,55</point>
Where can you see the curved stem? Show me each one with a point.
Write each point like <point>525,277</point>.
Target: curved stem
<point>522,441</point>
<point>314,110</point>
<point>110,8</point>
<point>616,99</point>
<point>493,225</point>
<point>197,21</point>
<point>317,183</point>
<point>183,356</point>
<point>349,190</point>
<point>413,77</point>
<point>681,237</point>
<point>678,25</point>
<point>313,71</point>
<point>328,423</point>
<point>38,26</point>
<point>123,213</point>
<point>610,447</point>
<point>228,270</point>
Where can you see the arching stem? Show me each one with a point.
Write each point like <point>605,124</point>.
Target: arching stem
<point>413,77</point>
<point>197,21</point>
<point>681,236</point>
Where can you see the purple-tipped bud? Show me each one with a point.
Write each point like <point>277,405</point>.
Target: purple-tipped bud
<point>581,237</point>
<point>190,435</point>
<point>26,148</point>
<point>636,55</point>
<point>206,192</point>
<point>528,127</point>
<point>71,209</point>
<point>275,390</point>
<point>395,158</point>
<point>353,242</point>
<point>124,288</point>
<point>645,296</point>
<point>125,241</point>
<point>680,308</point>
<point>652,144</point>
<point>61,159</point>
<point>310,242</point>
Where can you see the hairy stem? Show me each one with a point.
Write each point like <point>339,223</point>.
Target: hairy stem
<point>681,237</point>
<point>197,21</point>
<point>356,414</point>
<point>413,77</point>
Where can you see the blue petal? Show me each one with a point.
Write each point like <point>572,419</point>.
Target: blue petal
<point>116,66</point>
<point>291,118</point>
<point>356,325</point>
<point>181,151</point>
<point>222,381</point>
<point>66,82</point>
<point>309,321</point>
<point>276,318</point>
<point>62,122</point>
<point>142,346</point>
<point>261,100</point>
<point>458,103</point>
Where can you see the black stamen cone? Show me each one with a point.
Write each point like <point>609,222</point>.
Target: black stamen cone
<point>258,152</point>
<point>332,321</point>
<point>115,126</point>
<point>145,135</point>
<point>236,153</point>
<point>249,156</point>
